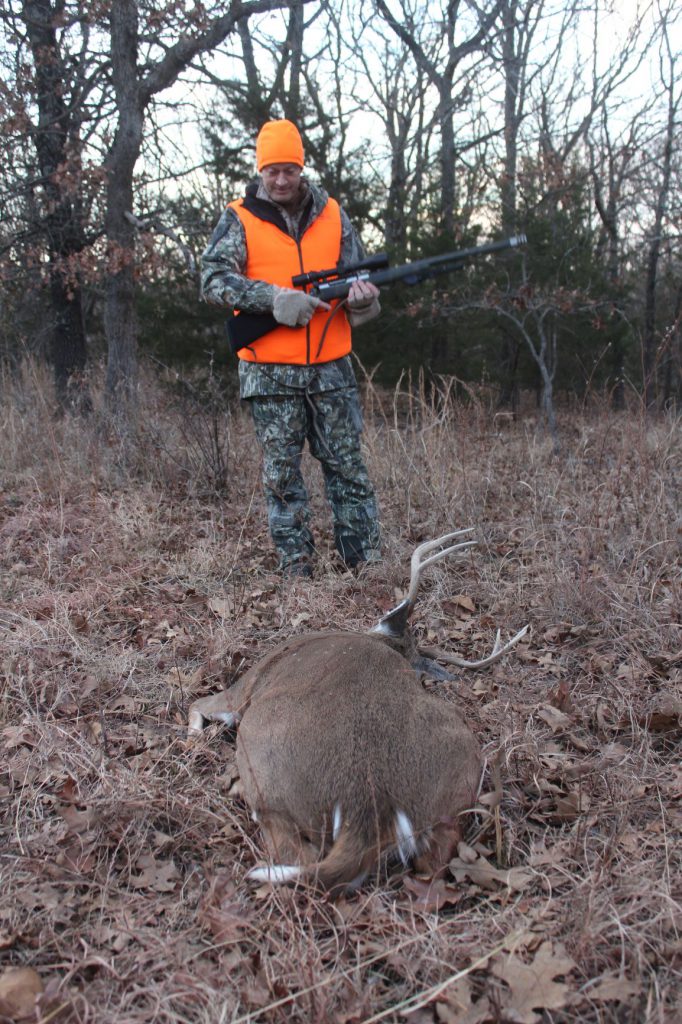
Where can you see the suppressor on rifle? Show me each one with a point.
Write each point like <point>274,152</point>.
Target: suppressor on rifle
<point>412,273</point>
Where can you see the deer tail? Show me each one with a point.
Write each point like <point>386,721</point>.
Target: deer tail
<point>344,868</point>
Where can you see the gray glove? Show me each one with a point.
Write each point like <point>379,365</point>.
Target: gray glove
<point>295,309</point>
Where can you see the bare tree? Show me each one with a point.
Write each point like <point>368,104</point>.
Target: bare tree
<point>520,20</point>
<point>136,83</point>
<point>614,161</point>
<point>442,64</point>
<point>288,69</point>
<point>394,89</point>
<point>58,97</point>
<point>672,91</point>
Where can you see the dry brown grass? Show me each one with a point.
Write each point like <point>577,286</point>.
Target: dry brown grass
<point>128,589</point>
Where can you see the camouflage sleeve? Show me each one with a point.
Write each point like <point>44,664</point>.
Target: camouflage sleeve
<point>222,265</point>
<point>352,249</point>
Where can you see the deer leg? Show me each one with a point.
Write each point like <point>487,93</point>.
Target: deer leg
<point>216,708</point>
<point>288,849</point>
<point>284,841</point>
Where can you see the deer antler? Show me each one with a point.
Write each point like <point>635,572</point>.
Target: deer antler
<point>498,652</point>
<point>394,622</point>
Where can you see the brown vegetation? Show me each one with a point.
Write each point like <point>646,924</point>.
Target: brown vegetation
<point>128,590</point>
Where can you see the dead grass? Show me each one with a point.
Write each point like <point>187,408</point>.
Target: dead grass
<point>129,589</point>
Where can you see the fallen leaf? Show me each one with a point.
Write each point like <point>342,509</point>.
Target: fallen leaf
<point>20,987</point>
<point>456,1006</point>
<point>78,821</point>
<point>300,619</point>
<point>158,875</point>
<point>18,736</point>
<point>110,937</point>
<point>224,608</point>
<point>430,895</point>
<point>465,603</point>
<point>580,741</point>
<point>77,858</point>
<point>187,682</point>
<point>665,716</point>
<point>555,719</point>
<point>614,990</point>
<point>570,806</point>
<point>223,913</point>
<point>532,986</point>
<point>615,752</point>
<point>480,1013</point>
<point>467,853</point>
<point>256,992</point>
<point>560,696</point>
<point>481,872</point>
<point>631,673</point>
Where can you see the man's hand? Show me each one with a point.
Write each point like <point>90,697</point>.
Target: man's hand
<point>294,308</point>
<point>361,296</point>
<point>362,302</point>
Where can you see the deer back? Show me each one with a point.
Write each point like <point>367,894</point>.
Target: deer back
<point>339,726</point>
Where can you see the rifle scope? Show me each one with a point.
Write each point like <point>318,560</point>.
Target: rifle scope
<point>376,262</point>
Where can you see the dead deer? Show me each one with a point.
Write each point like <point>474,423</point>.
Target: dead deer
<point>344,757</point>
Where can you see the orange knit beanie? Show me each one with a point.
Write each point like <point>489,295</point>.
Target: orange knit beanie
<point>278,142</point>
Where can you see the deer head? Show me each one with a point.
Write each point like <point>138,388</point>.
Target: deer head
<point>343,755</point>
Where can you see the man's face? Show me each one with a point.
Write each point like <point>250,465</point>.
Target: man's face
<point>282,182</point>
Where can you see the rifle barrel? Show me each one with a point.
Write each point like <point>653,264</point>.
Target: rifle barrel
<point>412,273</point>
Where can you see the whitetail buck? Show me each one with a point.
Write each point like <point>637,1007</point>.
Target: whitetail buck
<point>344,756</point>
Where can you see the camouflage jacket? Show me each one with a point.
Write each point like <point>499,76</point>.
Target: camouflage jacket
<point>223,283</point>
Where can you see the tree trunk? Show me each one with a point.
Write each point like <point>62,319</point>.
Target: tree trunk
<point>119,317</point>
<point>134,88</point>
<point>68,348</point>
<point>447,162</point>
<point>650,346</point>
<point>292,101</point>
<point>511,65</point>
<point>56,128</point>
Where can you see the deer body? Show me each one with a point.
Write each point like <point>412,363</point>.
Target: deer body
<point>344,756</point>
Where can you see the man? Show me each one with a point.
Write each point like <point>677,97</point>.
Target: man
<point>294,363</point>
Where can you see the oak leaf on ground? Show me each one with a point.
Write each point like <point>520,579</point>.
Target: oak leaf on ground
<point>533,986</point>
<point>20,987</point>
<point>484,874</point>
<point>614,990</point>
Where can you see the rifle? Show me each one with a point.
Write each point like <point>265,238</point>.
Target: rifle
<point>336,282</point>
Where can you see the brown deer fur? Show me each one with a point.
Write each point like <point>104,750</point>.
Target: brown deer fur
<point>344,756</point>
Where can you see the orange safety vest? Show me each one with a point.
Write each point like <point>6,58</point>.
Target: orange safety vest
<point>275,257</point>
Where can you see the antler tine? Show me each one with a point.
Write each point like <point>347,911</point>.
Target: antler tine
<point>393,624</point>
<point>417,563</point>
<point>446,551</point>
<point>497,652</point>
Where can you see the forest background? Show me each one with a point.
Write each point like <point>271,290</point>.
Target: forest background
<point>136,571</point>
<point>129,126</point>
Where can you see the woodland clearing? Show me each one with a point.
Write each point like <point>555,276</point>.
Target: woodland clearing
<point>130,587</point>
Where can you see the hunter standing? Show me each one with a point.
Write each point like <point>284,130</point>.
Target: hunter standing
<point>294,350</point>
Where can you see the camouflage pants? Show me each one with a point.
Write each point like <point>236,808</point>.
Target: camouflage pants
<point>331,422</point>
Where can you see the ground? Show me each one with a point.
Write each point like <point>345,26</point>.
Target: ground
<point>132,585</point>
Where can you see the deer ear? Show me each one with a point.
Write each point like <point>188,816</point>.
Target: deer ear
<point>430,668</point>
